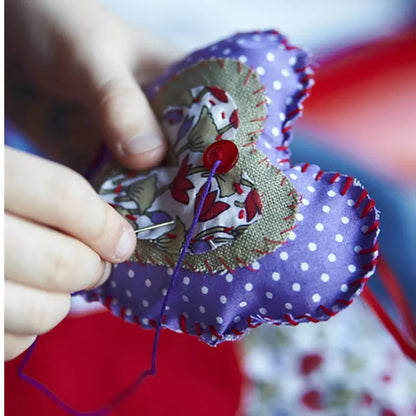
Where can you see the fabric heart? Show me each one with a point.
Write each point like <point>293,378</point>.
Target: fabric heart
<point>274,243</point>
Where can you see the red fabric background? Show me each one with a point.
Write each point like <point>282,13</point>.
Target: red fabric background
<point>88,360</point>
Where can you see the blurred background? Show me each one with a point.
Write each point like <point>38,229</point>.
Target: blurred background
<point>360,120</point>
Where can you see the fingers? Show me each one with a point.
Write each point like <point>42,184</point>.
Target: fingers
<point>29,311</point>
<point>129,125</point>
<point>14,344</point>
<point>40,257</point>
<point>51,194</point>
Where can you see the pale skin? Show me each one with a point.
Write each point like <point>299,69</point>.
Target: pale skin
<point>60,237</point>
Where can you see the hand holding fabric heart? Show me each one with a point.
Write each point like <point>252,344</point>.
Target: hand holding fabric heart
<point>274,243</point>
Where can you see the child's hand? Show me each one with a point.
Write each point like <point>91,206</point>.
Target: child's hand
<point>59,235</point>
<point>59,238</point>
<point>80,51</point>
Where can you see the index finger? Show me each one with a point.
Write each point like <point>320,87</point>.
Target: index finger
<point>56,196</point>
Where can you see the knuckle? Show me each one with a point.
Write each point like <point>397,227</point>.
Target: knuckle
<point>73,268</point>
<point>60,268</point>
<point>71,193</point>
<point>113,97</point>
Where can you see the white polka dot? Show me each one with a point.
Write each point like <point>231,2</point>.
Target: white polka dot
<point>305,202</point>
<point>204,290</point>
<point>201,309</point>
<point>128,293</point>
<point>276,276</point>
<point>344,288</point>
<point>304,266</point>
<point>296,287</point>
<point>332,257</point>
<point>326,209</point>
<point>352,268</point>
<point>292,236</point>
<point>130,273</point>
<point>145,321</point>
<point>269,295</point>
<point>256,265</point>
<point>350,203</point>
<point>312,246</point>
<point>260,70</point>
<point>299,217</point>
<point>319,227</point>
<point>275,131</point>
<point>241,41</point>
<point>339,238</point>
<point>223,299</point>
<point>364,229</point>
<point>277,85</point>
<point>242,304</point>
<point>270,56</point>
<point>267,144</point>
<point>331,193</point>
<point>185,298</point>
<point>257,38</point>
<point>293,176</point>
<point>169,271</point>
<point>285,72</point>
<point>148,282</point>
<point>226,51</point>
<point>186,280</point>
<point>345,220</point>
<point>284,256</point>
<point>145,303</point>
<point>310,188</point>
<point>357,249</point>
<point>229,277</point>
<point>237,319</point>
<point>263,311</point>
<point>316,297</point>
<point>129,312</point>
<point>219,319</point>
<point>248,287</point>
<point>164,291</point>
<point>288,305</point>
<point>242,59</point>
<point>112,283</point>
<point>293,60</point>
<point>282,116</point>
<point>325,277</point>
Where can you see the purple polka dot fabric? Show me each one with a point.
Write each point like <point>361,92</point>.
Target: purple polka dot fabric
<point>326,258</point>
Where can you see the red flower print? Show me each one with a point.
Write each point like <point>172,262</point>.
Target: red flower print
<point>181,184</point>
<point>234,119</point>
<point>253,204</point>
<point>310,363</point>
<point>312,400</point>
<point>210,208</point>
<point>218,93</point>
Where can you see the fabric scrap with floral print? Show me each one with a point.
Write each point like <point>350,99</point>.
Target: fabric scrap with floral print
<point>274,243</point>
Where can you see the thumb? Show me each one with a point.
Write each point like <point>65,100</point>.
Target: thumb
<point>130,128</point>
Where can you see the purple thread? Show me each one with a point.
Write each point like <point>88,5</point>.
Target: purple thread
<point>152,370</point>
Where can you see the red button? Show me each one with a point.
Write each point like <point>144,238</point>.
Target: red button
<point>224,150</point>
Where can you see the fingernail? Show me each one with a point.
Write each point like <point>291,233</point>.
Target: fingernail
<point>105,275</point>
<point>125,244</point>
<point>141,144</point>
